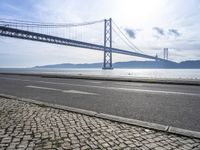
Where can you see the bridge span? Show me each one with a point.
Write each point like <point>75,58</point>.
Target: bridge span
<point>15,29</point>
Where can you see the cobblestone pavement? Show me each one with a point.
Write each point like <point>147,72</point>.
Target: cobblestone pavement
<point>29,126</point>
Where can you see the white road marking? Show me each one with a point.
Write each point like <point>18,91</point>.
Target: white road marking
<point>79,92</point>
<point>43,88</point>
<point>164,92</point>
<point>129,84</point>
<point>112,88</point>
<point>96,82</point>
<point>64,91</point>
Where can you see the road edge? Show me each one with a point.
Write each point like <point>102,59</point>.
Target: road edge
<point>134,122</point>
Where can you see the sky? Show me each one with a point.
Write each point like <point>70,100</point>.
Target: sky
<point>150,25</point>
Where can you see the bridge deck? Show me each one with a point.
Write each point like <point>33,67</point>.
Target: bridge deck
<point>27,35</point>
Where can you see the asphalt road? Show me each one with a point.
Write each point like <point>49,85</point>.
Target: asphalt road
<point>173,105</point>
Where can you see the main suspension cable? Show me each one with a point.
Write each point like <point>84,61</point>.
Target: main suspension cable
<point>132,45</point>
<point>10,22</point>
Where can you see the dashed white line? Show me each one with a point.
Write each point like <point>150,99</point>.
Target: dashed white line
<point>79,92</point>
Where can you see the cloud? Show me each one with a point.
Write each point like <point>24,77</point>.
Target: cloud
<point>160,31</point>
<point>131,33</point>
<point>174,32</point>
<point>166,33</point>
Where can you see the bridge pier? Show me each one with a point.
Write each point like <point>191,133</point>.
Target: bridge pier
<point>107,64</point>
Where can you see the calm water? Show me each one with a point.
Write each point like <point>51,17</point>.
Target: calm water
<point>139,73</point>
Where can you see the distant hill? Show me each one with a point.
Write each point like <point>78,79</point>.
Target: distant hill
<point>69,65</point>
<point>190,64</point>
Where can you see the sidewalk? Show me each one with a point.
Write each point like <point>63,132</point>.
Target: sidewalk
<point>29,126</point>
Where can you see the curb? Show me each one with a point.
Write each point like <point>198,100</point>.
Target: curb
<point>108,78</point>
<point>133,122</point>
<point>139,123</point>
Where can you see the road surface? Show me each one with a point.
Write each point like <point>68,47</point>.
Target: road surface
<point>173,105</point>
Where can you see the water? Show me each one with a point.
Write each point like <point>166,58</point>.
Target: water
<point>135,73</point>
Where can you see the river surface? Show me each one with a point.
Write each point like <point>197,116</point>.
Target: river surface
<point>137,73</point>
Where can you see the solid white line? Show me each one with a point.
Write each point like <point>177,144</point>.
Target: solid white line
<point>158,91</point>
<point>64,91</point>
<point>96,82</point>
<point>130,84</point>
<point>112,88</point>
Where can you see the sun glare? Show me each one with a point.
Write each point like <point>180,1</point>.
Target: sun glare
<point>141,11</point>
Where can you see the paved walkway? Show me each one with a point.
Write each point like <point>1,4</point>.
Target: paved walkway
<point>29,126</point>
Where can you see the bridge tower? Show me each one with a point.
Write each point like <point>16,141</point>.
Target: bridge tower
<point>166,53</point>
<point>156,57</point>
<point>107,64</point>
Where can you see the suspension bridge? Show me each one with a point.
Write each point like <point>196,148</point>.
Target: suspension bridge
<point>101,35</point>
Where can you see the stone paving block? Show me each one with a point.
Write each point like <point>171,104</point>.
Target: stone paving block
<point>29,126</point>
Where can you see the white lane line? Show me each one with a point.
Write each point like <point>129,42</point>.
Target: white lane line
<point>158,91</point>
<point>79,92</point>
<point>64,91</point>
<point>129,84</point>
<point>113,88</point>
<point>96,82</point>
<point>43,88</point>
